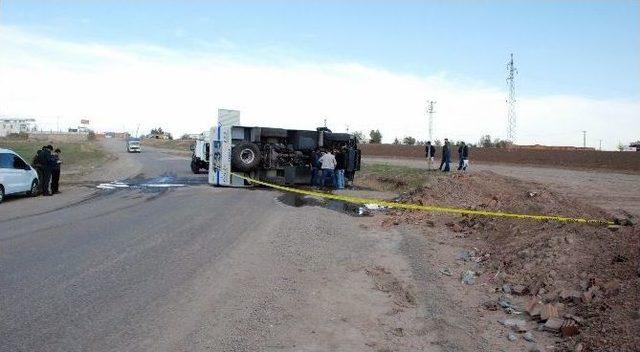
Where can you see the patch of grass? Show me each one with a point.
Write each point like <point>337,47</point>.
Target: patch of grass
<point>77,157</point>
<point>384,177</point>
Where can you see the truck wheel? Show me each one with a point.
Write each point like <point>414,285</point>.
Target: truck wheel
<point>1,193</point>
<point>245,156</point>
<point>194,167</point>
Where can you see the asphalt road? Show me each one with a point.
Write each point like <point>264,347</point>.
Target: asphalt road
<point>199,268</point>
<point>178,268</point>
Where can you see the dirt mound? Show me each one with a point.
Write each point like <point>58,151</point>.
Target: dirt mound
<point>592,274</point>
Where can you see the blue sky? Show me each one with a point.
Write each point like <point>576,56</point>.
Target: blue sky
<point>589,48</point>
<point>361,65</point>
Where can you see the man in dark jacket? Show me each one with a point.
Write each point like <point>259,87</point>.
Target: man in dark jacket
<point>45,161</point>
<point>430,153</point>
<point>316,174</point>
<point>36,164</point>
<point>465,157</point>
<point>340,166</point>
<point>446,156</point>
<point>55,171</point>
<point>460,148</point>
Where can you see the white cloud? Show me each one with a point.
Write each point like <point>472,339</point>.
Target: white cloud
<point>125,86</point>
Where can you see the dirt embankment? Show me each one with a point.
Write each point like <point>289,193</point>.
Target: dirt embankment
<point>78,158</point>
<point>584,279</point>
<point>587,159</point>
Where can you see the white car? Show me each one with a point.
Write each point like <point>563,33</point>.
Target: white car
<point>16,176</point>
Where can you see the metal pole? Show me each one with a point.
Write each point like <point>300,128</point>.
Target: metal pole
<point>511,101</point>
<point>584,139</point>
<point>430,112</point>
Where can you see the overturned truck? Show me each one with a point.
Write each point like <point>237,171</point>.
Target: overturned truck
<point>275,155</point>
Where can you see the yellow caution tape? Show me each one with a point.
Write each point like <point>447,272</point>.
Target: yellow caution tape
<point>432,208</point>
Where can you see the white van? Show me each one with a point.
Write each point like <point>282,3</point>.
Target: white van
<point>133,145</point>
<point>16,176</point>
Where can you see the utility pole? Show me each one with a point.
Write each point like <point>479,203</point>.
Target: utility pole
<point>430,112</point>
<point>511,100</point>
<point>584,139</point>
<point>347,127</point>
<point>599,144</point>
<point>325,122</point>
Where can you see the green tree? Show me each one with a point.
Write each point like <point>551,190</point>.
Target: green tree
<point>396,141</point>
<point>359,135</point>
<point>375,137</point>
<point>485,141</point>
<point>499,143</point>
<point>409,140</point>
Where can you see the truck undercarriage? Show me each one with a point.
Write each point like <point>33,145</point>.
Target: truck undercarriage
<point>281,155</point>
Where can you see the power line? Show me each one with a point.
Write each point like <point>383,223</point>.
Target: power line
<point>511,100</point>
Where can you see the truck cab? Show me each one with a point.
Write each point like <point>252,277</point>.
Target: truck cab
<point>200,154</point>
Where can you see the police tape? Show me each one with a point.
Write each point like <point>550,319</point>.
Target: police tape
<point>428,208</point>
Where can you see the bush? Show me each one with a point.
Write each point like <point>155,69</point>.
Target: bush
<point>409,140</point>
<point>375,137</point>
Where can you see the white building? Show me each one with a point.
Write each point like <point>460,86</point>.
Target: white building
<point>8,126</point>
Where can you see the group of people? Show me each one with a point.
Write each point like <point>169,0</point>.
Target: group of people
<point>47,163</point>
<point>463,156</point>
<point>327,166</point>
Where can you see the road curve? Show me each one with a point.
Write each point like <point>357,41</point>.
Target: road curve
<point>178,268</point>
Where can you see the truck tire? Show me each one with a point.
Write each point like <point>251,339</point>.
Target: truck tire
<point>194,167</point>
<point>245,156</point>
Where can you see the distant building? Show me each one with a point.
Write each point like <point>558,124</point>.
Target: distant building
<point>158,136</point>
<point>119,135</point>
<point>192,136</point>
<point>9,126</point>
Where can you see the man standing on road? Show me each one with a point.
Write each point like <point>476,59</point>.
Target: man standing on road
<point>446,156</point>
<point>340,166</point>
<point>45,161</point>
<point>316,173</point>
<point>36,164</point>
<point>55,171</point>
<point>328,165</point>
<point>430,152</point>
